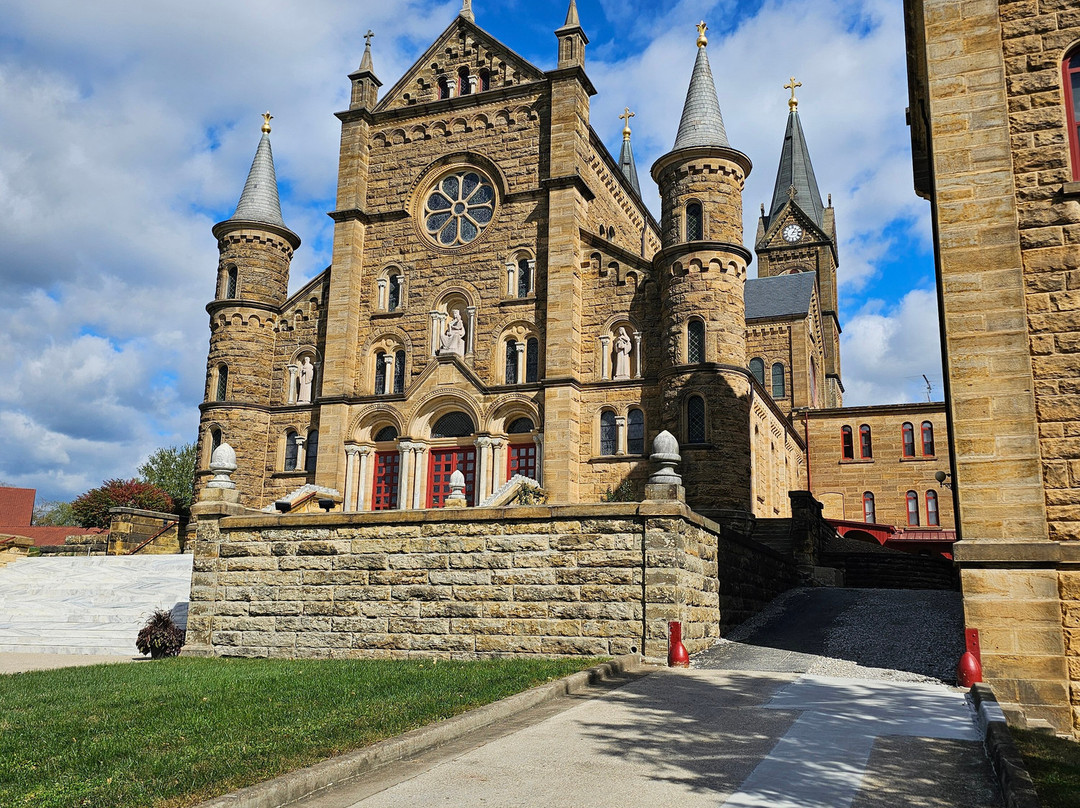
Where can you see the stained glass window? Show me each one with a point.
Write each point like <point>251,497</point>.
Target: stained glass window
<point>511,362</point>
<point>608,433</point>
<point>458,208</point>
<point>757,368</point>
<point>778,386</point>
<point>635,432</point>
<point>292,451</point>
<point>453,425</point>
<point>532,359</point>
<point>399,372</point>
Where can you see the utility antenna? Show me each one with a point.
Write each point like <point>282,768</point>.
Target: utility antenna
<point>929,388</point>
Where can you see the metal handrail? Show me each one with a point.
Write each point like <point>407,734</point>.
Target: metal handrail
<point>167,526</point>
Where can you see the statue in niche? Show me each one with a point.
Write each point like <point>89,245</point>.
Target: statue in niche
<point>623,346</point>
<point>306,377</point>
<point>453,339</point>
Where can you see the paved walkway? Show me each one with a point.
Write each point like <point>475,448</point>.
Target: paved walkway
<point>729,734</point>
<point>20,663</point>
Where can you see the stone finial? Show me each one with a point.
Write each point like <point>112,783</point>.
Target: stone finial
<point>457,491</point>
<point>666,455</point>
<point>222,464</point>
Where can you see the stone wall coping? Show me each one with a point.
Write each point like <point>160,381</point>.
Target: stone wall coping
<point>1036,551</point>
<point>169,517</point>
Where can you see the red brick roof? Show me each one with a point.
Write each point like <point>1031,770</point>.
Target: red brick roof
<point>46,535</point>
<point>16,506</point>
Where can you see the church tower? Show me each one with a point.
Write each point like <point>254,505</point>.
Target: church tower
<point>255,249</point>
<point>702,269</point>
<point>798,234</point>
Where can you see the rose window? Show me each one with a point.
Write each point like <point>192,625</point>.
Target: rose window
<point>458,208</point>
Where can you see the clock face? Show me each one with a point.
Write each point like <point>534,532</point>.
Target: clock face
<point>792,233</point>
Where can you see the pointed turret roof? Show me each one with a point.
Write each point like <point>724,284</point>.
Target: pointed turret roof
<point>701,123</point>
<point>626,156</point>
<point>259,201</point>
<point>796,172</point>
<point>572,20</point>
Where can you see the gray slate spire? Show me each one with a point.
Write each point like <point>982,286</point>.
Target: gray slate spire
<point>626,156</point>
<point>796,172</point>
<point>259,202</point>
<point>701,123</point>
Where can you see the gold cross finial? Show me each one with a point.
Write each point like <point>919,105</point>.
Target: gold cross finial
<point>626,116</point>
<point>367,38</point>
<point>701,29</point>
<point>267,117</point>
<point>793,102</point>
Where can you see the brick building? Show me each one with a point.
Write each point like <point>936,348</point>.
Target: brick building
<point>994,106</point>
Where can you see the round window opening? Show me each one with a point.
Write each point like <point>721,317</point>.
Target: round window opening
<point>458,208</point>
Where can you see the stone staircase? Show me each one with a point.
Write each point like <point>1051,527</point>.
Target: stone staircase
<point>92,605</point>
<point>774,533</point>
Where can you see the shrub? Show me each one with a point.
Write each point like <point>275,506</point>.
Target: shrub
<point>624,493</point>
<point>160,637</point>
<point>92,508</point>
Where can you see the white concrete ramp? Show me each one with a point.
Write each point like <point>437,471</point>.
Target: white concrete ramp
<point>93,605</point>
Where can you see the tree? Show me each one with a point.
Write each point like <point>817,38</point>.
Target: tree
<point>172,469</point>
<point>92,508</point>
<point>54,514</point>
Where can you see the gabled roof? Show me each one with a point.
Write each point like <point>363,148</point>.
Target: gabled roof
<point>701,123</point>
<point>796,172</point>
<point>779,296</point>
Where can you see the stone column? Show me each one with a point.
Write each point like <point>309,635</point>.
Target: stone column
<point>483,445</point>
<point>403,474</point>
<point>388,377</point>
<point>361,484</point>
<point>637,354</point>
<point>382,301</point>
<point>498,471</point>
<point>419,466</point>
<point>519,346</point>
<point>620,434</point>
<point>538,439</point>
<point>293,370</point>
<point>434,315</point>
<point>605,356</point>
<point>301,455</point>
<point>470,343</point>
<point>350,468</point>
<point>511,287</point>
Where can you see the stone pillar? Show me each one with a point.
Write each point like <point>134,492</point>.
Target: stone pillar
<point>620,434</point>
<point>538,439</point>
<point>637,354</point>
<point>301,455</point>
<point>382,301</point>
<point>498,471</point>
<point>388,376</point>
<point>605,356</point>
<point>403,474</point>
<point>435,333</point>
<point>470,343</point>
<point>361,484</point>
<point>293,370</point>
<point>419,466</point>
<point>511,290</point>
<point>519,346</point>
<point>350,469</point>
<point>483,464</point>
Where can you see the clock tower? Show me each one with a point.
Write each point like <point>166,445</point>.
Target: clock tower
<point>798,234</point>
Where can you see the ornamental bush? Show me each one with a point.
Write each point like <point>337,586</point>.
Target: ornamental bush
<point>160,637</point>
<point>92,508</point>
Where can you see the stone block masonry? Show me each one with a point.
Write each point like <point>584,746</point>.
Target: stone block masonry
<point>596,580</point>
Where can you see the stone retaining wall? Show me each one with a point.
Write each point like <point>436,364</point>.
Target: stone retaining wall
<point>597,580</point>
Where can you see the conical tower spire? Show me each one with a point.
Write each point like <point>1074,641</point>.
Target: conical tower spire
<point>259,201</point>
<point>626,157</point>
<point>701,123</point>
<point>571,16</point>
<point>795,171</point>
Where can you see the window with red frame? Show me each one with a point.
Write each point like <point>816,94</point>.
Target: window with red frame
<point>847,442</point>
<point>385,488</point>
<point>866,445</point>
<point>521,460</point>
<point>927,439</point>
<point>445,462</point>
<point>1070,70</point>
<point>912,508</point>
<point>932,518</point>
<point>908,432</point>
<point>869,514</point>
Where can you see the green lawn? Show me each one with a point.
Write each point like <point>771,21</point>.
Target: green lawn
<point>177,731</point>
<point>1054,765</point>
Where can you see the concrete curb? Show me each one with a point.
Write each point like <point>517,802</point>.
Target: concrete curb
<point>1016,784</point>
<point>288,788</point>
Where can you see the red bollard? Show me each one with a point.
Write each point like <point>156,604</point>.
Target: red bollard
<point>969,669</point>
<point>676,654</point>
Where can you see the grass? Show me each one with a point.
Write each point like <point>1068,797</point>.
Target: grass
<point>174,732</point>
<point>1054,765</point>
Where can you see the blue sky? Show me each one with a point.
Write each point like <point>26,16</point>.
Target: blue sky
<point>128,130</point>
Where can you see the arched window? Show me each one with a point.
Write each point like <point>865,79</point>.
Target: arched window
<point>511,362</point>
<point>215,439</point>
<point>757,368</point>
<point>907,432</point>
<point>695,342</point>
<point>485,80</point>
<point>532,359</point>
<point>453,425</point>
<point>932,518</point>
<point>292,450</point>
<point>399,371</point>
<point>380,373</point>
<point>519,426</point>
<point>444,87</point>
<point>393,295</point>
<point>387,433</point>
<point>230,282</point>
<point>813,383</point>
<point>464,87</point>
<point>222,383</point>
<point>524,277</point>
<point>869,514</point>
<point>927,439</point>
<point>847,443</point>
<point>312,453</point>
<point>609,438</point>
<point>1070,70</point>
<point>866,445</point>
<point>635,432</point>
<point>912,508</point>
<point>695,419</point>
<point>694,229</point>
<point>778,380</point>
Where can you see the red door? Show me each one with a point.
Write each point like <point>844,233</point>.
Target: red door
<point>445,462</point>
<point>521,460</point>
<point>385,487</point>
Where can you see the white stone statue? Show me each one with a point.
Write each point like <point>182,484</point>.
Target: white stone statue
<point>307,376</point>
<point>453,339</point>
<point>623,345</point>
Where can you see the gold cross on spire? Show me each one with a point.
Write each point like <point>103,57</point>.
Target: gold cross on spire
<point>701,29</point>
<point>626,116</point>
<point>793,102</point>
<point>267,117</point>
